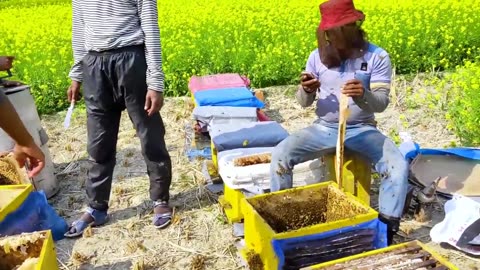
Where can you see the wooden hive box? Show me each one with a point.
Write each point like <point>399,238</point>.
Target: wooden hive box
<point>31,251</point>
<point>357,180</point>
<point>11,197</point>
<point>307,225</point>
<point>410,255</point>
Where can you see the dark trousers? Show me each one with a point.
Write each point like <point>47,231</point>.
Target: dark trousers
<point>114,81</point>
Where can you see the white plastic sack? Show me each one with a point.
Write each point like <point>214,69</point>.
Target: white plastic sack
<point>216,115</point>
<point>258,175</point>
<point>460,226</point>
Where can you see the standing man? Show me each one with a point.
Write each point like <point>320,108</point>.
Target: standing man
<point>343,51</point>
<point>118,59</point>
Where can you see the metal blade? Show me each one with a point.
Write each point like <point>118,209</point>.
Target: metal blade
<point>66,123</point>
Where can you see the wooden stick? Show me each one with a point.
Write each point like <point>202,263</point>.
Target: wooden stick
<point>344,112</point>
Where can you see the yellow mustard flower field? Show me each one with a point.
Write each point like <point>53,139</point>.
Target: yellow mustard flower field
<point>267,40</point>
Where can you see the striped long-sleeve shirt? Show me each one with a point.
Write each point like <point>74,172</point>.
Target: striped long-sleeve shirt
<point>100,25</point>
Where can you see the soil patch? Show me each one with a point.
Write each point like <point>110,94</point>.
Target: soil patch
<point>301,208</point>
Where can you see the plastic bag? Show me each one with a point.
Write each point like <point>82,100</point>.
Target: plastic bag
<point>258,175</point>
<point>461,225</point>
<point>35,214</point>
<point>225,115</point>
<point>217,81</point>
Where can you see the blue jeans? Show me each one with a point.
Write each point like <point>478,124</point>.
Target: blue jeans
<point>316,140</point>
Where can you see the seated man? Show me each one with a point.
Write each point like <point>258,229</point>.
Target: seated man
<point>343,51</point>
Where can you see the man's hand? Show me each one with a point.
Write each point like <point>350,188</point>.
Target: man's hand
<point>73,92</point>
<point>153,102</point>
<point>353,88</point>
<point>309,83</point>
<point>32,154</point>
<point>6,62</point>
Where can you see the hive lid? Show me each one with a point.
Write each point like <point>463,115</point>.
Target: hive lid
<point>460,174</point>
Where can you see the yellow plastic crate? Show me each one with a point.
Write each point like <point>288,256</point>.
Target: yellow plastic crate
<point>231,204</point>
<point>259,235</point>
<point>357,175</point>
<point>214,155</point>
<point>338,264</point>
<point>11,197</point>
<point>37,245</point>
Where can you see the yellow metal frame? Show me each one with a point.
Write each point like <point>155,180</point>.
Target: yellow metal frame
<point>441,259</point>
<point>357,174</point>
<point>192,96</point>
<point>48,255</point>
<point>16,202</point>
<point>259,235</point>
<point>231,204</point>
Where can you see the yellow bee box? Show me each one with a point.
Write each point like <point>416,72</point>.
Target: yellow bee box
<point>214,155</point>
<point>11,197</point>
<point>231,204</point>
<point>307,225</point>
<point>28,251</point>
<point>411,255</point>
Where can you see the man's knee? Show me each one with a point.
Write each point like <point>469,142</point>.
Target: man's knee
<point>400,171</point>
<point>282,151</point>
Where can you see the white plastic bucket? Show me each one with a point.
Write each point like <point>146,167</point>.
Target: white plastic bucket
<point>24,104</point>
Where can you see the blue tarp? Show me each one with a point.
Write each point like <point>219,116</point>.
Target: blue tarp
<point>205,153</point>
<point>412,150</point>
<point>233,97</point>
<point>34,214</point>
<point>283,246</point>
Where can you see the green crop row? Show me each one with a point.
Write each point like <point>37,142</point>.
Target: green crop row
<point>462,102</point>
<point>268,41</point>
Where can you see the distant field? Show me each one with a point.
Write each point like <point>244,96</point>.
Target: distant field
<point>267,40</point>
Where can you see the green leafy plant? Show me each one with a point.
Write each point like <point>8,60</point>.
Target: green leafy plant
<point>269,41</point>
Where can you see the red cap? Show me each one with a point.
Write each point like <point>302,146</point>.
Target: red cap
<point>337,13</point>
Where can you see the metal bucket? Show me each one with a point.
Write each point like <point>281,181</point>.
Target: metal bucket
<point>24,104</point>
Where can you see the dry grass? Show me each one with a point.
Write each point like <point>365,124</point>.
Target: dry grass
<point>198,236</point>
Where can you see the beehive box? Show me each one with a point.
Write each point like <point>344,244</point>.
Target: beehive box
<point>231,204</point>
<point>10,172</point>
<point>357,177</point>
<point>11,197</point>
<point>308,225</point>
<point>29,251</point>
<point>411,255</point>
